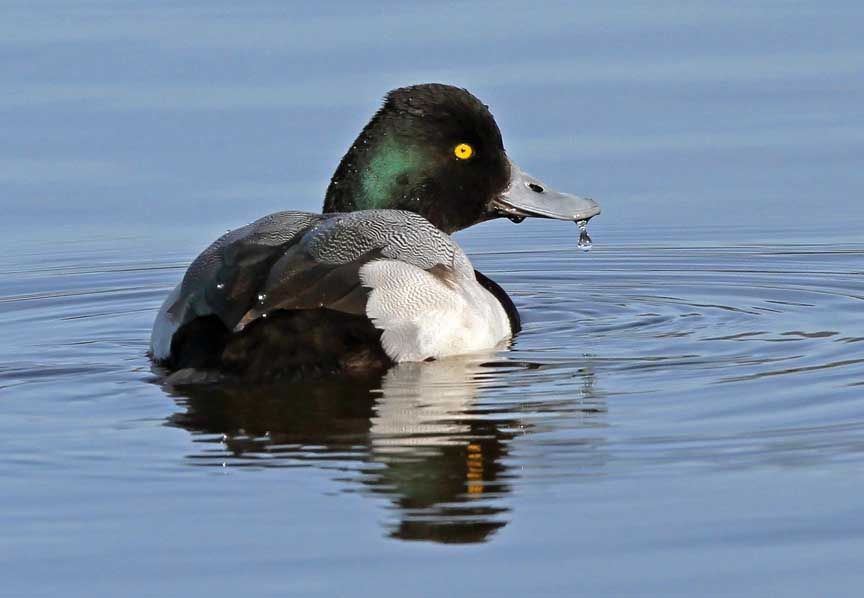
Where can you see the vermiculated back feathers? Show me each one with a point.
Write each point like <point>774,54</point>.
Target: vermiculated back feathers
<point>300,261</point>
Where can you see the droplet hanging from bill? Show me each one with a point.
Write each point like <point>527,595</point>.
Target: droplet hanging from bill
<point>584,238</point>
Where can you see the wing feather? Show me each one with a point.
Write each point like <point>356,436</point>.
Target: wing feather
<point>297,260</point>
<point>323,269</point>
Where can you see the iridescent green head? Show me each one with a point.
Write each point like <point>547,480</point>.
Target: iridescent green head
<point>435,150</point>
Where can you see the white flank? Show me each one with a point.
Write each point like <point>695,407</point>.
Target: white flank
<point>421,316</point>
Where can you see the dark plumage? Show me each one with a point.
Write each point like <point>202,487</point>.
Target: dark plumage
<point>376,278</point>
<point>417,127</point>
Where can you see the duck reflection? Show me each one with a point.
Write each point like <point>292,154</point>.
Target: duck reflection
<point>443,462</point>
<point>415,431</point>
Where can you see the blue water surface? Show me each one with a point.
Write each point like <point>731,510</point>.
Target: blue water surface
<point>682,415</point>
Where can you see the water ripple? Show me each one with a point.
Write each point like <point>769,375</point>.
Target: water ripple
<point>635,361</point>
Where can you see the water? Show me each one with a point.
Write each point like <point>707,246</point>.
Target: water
<point>584,242</point>
<point>682,414</point>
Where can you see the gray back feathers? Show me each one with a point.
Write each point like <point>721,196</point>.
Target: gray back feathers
<point>399,235</point>
<point>297,260</point>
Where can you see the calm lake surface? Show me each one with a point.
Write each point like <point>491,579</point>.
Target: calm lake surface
<point>683,414</point>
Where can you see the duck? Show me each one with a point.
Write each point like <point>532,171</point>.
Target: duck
<point>375,279</point>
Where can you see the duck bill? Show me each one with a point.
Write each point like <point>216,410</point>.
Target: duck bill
<point>529,197</point>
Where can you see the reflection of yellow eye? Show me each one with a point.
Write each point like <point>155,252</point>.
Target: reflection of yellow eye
<point>463,151</point>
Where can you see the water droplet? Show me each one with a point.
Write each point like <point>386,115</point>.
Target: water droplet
<point>584,240</point>
<point>264,315</point>
<point>262,297</point>
<point>220,285</point>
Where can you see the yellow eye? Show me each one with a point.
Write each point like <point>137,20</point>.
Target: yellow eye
<point>463,151</point>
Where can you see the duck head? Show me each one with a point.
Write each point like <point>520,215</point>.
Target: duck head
<point>436,150</point>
